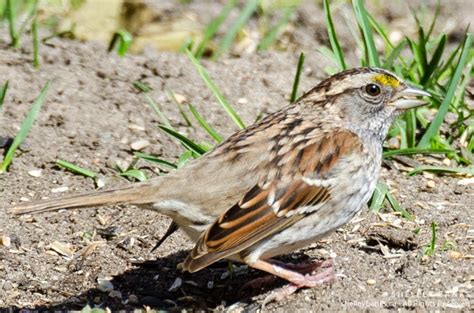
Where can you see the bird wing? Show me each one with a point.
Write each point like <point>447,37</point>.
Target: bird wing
<point>298,188</point>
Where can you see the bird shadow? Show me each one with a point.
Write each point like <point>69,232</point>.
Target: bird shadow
<point>159,284</point>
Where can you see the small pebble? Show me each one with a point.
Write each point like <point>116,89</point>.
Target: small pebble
<point>176,284</point>
<point>104,285</point>
<point>180,98</point>
<point>60,189</point>
<point>139,144</point>
<point>7,286</point>
<point>35,173</point>
<point>370,282</point>
<point>100,182</point>
<point>430,184</point>
<point>132,299</point>
<point>242,101</point>
<point>428,175</point>
<point>396,36</point>
<point>115,294</point>
<point>393,143</point>
<point>466,181</point>
<point>225,275</point>
<point>5,241</point>
<point>455,255</point>
<point>447,162</point>
<point>136,127</point>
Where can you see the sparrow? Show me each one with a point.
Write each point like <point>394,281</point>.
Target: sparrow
<point>278,185</point>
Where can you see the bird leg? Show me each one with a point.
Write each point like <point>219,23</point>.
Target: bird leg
<point>299,275</point>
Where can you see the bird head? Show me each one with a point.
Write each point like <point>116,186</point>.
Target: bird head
<point>367,99</point>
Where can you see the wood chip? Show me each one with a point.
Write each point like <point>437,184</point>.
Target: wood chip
<point>89,249</point>
<point>61,249</point>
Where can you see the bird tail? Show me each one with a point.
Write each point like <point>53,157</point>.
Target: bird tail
<point>141,193</point>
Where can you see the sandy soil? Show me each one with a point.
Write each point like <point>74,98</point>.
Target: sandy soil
<point>91,116</point>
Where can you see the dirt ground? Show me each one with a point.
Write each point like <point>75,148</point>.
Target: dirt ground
<point>93,114</point>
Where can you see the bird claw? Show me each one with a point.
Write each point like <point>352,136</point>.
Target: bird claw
<point>307,281</point>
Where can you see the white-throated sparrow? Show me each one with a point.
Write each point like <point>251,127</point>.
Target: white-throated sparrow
<point>280,184</point>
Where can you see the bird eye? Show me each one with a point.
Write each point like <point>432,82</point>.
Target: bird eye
<point>373,90</point>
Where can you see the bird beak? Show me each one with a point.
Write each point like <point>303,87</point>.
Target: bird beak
<point>407,98</point>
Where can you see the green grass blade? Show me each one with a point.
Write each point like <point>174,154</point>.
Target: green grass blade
<point>213,27</point>
<point>76,169</point>
<point>412,151</point>
<point>410,128</point>
<point>184,158</point>
<point>434,63</point>
<point>379,29</point>
<point>204,124</point>
<point>431,248</point>
<point>435,18</point>
<point>363,21</point>
<point>25,128</point>
<point>336,47</point>
<point>296,82</point>
<point>183,113</point>
<point>215,90</point>
<point>449,62</point>
<point>31,7</point>
<point>442,169</point>
<point>155,160</point>
<point>141,86</point>
<point>34,31</point>
<point>3,93</point>
<point>188,143</point>
<point>433,129</point>
<point>134,173</point>
<point>229,37</point>
<point>157,110</point>
<point>145,89</point>
<point>403,134</point>
<point>395,54</point>
<point>271,36</point>
<point>11,16</point>
<point>378,197</point>
<point>397,207</point>
<point>123,40</point>
<point>423,57</point>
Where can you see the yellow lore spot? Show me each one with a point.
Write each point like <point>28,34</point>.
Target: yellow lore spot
<point>387,80</point>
